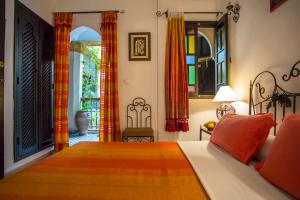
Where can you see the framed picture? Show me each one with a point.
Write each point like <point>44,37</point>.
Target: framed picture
<point>139,46</point>
<point>275,4</point>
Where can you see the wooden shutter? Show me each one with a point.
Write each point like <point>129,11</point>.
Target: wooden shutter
<point>26,119</point>
<point>45,82</point>
<point>2,33</point>
<point>221,52</point>
<point>33,79</point>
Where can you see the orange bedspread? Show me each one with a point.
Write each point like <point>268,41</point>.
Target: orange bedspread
<point>92,170</point>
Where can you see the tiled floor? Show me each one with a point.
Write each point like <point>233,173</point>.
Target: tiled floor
<point>75,138</point>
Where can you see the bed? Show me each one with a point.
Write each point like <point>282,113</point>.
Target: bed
<point>225,178</point>
<point>92,170</point>
<point>165,170</point>
<point>159,170</point>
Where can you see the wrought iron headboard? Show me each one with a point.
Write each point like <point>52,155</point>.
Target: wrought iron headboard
<point>137,113</point>
<point>278,96</point>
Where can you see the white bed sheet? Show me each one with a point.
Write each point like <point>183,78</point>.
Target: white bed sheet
<point>225,178</point>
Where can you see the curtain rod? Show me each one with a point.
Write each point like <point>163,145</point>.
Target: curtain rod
<point>94,12</point>
<point>159,13</point>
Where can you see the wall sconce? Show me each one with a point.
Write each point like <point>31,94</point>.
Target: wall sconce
<point>234,10</point>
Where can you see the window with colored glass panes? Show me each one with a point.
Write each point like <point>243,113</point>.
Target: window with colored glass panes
<point>199,59</point>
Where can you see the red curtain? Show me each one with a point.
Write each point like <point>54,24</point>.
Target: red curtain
<point>63,23</point>
<point>109,100</point>
<point>176,83</point>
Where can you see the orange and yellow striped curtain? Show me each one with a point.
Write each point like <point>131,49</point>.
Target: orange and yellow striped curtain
<point>176,83</point>
<point>63,23</point>
<point>109,100</point>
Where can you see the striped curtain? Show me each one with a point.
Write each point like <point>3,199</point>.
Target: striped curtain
<point>63,22</point>
<point>176,83</point>
<point>109,100</point>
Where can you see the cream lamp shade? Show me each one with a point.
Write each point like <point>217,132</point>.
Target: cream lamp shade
<point>225,94</point>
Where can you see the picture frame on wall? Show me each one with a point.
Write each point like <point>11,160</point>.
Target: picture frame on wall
<point>139,46</point>
<point>274,4</point>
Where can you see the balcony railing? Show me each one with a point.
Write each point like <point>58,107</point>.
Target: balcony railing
<point>92,105</point>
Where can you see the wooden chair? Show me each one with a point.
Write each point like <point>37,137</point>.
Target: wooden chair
<point>139,122</point>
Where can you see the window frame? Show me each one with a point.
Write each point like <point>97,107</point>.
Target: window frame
<point>195,25</point>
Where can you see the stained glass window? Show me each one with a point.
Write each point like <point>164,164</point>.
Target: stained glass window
<point>191,44</point>
<point>192,75</point>
<point>192,89</point>
<point>190,60</point>
<point>199,43</point>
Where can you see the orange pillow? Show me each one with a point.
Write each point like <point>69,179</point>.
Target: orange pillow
<point>282,165</point>
<point>242,136</point>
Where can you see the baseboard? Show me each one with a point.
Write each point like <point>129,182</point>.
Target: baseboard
<point>17,166</point>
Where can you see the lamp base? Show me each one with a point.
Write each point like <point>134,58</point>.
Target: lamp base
<point>224,108</point>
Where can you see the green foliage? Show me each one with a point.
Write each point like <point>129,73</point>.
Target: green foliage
<point>88,84</point>
<point>85,105</point>
<point>89,80</point>
<point>93,53</point>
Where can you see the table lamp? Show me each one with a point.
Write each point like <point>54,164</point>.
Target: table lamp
<point>225,96</point>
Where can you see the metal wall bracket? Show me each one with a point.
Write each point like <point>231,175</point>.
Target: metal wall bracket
<point>234,10</point>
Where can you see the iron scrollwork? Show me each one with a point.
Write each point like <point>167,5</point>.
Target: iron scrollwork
<point>261,90</point>
<point>234,10</point>
<point>278,95</point>
<point>138,139</point>
<point>295,72</point>
<point>283,100</point>
<point>140,109</point>
<point>139,122</point>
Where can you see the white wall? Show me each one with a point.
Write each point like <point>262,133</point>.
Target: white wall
<point>262,40</point>
<point>42,8</point>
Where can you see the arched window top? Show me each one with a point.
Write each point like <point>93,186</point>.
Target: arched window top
<point>205,45</point>
<point>84,33</point>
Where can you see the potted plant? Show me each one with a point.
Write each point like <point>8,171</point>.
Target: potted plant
<point>82,119</point>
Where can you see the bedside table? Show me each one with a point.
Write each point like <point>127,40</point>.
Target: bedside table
<point>203,129</point>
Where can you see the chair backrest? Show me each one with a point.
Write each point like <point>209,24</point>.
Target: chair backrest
<point>139,114</point>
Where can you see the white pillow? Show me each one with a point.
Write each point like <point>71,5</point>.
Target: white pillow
<point>265,149</point>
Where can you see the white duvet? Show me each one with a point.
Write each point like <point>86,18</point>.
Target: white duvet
<point>225,178</point>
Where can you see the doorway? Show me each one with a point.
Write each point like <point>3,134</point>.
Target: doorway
<point>84,83</point>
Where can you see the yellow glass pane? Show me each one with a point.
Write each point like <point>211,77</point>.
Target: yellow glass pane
<point>191,44</point>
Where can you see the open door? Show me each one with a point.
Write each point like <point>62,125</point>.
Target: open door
<point>2,34</point>
<point>221,52</point>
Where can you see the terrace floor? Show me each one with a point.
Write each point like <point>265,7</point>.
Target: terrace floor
<point>75,137</point>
